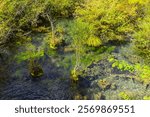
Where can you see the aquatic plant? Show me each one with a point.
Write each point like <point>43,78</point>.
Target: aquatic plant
<point>35,69</point>
<point>74,76</point>
<point>146,98</point>
<point>30,53</point>
<point>143,73</point>
<point>93,41</point>
<point>121,64</point>
<point>126,95</point>
<point>79,32</point>
<point>104,84</point>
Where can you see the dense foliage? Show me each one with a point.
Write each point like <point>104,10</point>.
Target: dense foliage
<point>112,19</point>
<point>89,29</point>
<point>18,17</point>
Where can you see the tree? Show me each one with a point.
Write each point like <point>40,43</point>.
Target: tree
<point>79,32</point>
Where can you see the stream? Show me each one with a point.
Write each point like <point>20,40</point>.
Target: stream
<point>16,82</point>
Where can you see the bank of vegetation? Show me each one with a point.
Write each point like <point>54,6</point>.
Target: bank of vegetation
<point>89,29</point>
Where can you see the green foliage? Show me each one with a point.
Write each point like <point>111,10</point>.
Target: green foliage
<point>20,16</point>
<point>142,38</point>
<point>79,32</point>
<point>15,15</point>
<point>126,95</point>
<point>93,41</point>
<point>29,53</point>
<point>111,19</point>
<point>35,68</point>
<point>146,98</point>
<point>143,73</point>
<point>121,64</point>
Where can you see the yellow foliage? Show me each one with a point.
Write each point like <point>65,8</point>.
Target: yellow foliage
<point>109,9</point>
<point>54,42</point>
<point>93,41</point>
<point>74,76</point>
<point>111,19</point>
<point>146,98</point>
<point>137,1</point>
<point>41,29</point>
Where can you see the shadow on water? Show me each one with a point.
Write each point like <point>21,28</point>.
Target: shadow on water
<point>17,83</point>
<point>54,84</point>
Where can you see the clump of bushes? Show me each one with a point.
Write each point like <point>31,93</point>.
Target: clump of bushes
<point>24,15</point>
<point>111,19</point>
<point>143,73</point>
<point>142,38</point>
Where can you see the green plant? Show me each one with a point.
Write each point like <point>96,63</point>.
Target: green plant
<point>21,16</point>
<point>142,40</point>
<point>143,73</point>
<point>35,69</point>
<point>79,32</point>
<point>93,41</point>
<point>30,53</point>
<point>146,98</point>
<point>126,95</point>
<point>121,64</point>
<point>111,19</point>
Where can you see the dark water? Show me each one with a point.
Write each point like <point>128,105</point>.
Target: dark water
<point>16,82</point>
<point>20,85</point>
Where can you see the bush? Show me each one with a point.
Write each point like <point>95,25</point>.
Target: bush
<point>20,16</point>
<point>111,19</point>
<point>142,37</point>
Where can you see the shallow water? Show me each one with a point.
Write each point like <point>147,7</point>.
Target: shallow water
<point>16,82</point>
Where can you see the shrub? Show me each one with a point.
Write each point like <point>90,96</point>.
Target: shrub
<point>20,16</point>
<point>122,65</point>
<point>142,40</point>
<point>111,19</point>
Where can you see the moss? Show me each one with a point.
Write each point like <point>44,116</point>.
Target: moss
<point>94,41</point>
<point>146,98</point>
<point>97,96</point>
<point>41,29</point>
<point>121,65</point>
<point>36,72</point>
<point>35,69</point>
<point>28,55</point>
<point>143,73</point>
<point>74,76</point>
<point>104,84</point>
<point>126,95</point>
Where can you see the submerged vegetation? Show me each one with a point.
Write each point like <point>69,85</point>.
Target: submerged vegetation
<point>78,34</point>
